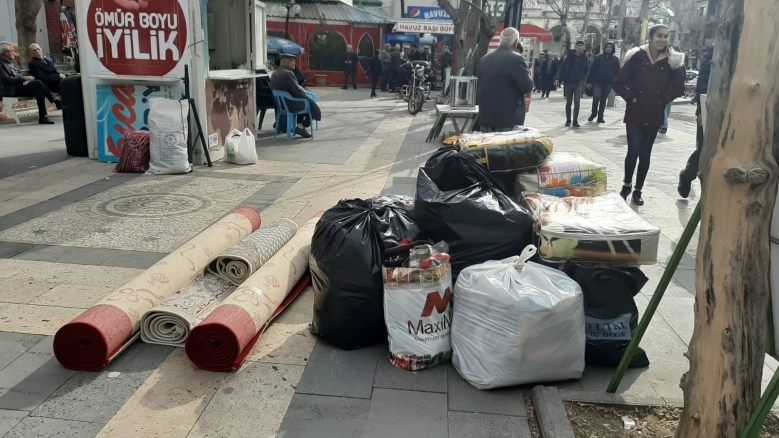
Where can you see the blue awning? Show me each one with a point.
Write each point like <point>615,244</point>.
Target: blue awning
<point>278,45</point>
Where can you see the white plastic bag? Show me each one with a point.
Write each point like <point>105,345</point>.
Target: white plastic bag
<point>168,130</point>
<point>517,322</point>
<point>418,314</point>
<point>240,147</point>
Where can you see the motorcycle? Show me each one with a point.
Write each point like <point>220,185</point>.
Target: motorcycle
<point>690,88</point>
<point>419,89</point>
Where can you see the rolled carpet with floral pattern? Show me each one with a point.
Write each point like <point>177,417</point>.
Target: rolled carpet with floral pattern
<point>225,337</point>
<point>241,260</point>
<point>99,334</point>
<point>170,322</point>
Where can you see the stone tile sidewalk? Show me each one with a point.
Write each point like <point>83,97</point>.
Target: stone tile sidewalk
<point>65,241</point>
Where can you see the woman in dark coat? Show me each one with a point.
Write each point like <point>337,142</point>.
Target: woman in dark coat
<point>376,71</point>
<point>650,79</point>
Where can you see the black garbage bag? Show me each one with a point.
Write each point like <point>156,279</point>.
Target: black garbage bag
<point>477,220</point>
<point>452,170</point>
<point>610,312</point>
<point>347,251</point>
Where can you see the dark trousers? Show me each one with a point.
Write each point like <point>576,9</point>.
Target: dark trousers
<point>353,74</point>
<point>640,142</point>
<point>600,94</point>
<point>393,80</point>
<point>303,119</point>
<point>384,80</point>
<point>690,171</point>
<point>39,91</point>
<point>53,84</point>
<point>573,93</point>
<point>374,82</point>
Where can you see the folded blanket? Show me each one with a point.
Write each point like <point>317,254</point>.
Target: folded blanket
<point>578,176</point>
<point>592,229</point>
<point>507,152</point>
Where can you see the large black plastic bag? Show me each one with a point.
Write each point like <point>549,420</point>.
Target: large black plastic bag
<point>347,251</point>
<point>476,219</point>
<point>452,170</point>
<point>610,312</point>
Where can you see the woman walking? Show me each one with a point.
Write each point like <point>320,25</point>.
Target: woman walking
<point>376,70</point>
<point>650,79</point>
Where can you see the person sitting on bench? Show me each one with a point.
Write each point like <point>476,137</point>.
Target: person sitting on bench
<point>17,85</point>
<point>43,69</point>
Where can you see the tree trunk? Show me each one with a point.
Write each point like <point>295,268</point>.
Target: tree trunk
<point>739,178</point>
<point>26,28</point>
<point>565,34</point>
<point>586,21</point>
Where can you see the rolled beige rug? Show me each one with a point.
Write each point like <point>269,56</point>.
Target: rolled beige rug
<point>96,336</point>
<point>225,337</point>
<point>241,260</point>
<point>170,322</point>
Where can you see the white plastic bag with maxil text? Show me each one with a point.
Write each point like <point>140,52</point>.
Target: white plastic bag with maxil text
<point>418,314</point>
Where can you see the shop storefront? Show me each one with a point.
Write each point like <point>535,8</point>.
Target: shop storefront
<point>132,55</point>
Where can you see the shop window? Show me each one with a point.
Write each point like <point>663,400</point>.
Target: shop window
<point>365,52</point>
<point>326,49</point>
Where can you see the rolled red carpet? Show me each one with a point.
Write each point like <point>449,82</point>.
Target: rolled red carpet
<point>96,336</point>
<point>224,338</point>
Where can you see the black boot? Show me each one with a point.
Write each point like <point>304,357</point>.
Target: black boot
<point>684,186</point>
<point>591,118</point>
<point>626,189</point>
<point>45,121</point>
<point>636,198</point>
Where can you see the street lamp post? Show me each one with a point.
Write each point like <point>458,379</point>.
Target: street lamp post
<point>294,9</point>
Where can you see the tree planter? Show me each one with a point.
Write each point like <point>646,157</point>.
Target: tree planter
<point>320,80</point>
<point>553,413</point>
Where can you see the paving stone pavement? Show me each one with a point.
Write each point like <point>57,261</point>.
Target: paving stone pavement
<point>71,230</point>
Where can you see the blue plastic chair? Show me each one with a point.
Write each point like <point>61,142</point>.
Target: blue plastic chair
<point>282,97</point>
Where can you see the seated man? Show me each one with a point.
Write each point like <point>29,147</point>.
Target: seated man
<point>17,85</point>
<point>44,70</point>
<point>283,79</point>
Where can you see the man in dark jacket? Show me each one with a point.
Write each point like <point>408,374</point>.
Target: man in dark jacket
<point>602,73</point>
<point>447,60</point>
<point>572,74</point>
<point>350,67</point>
<point>377,71</point>
<point>14,84</point>
<point>283,79</point>
<point>385,57</point>
<point>690,172</point>
<point>395,63</point>
<point>43,70</point>
<point>504,79</point>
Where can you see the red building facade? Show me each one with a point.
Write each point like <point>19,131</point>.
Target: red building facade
<point>364,38</point>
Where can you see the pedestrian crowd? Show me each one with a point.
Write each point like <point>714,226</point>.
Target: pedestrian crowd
<point>650,79</point>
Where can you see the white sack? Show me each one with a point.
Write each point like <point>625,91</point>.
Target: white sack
<point>168,130</point>
<point>517,322</point>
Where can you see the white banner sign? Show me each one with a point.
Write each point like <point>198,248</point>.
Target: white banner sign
<point>411,27</point>
<point>136,37</point>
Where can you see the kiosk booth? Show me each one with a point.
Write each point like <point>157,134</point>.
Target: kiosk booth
<point>134,50</point>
